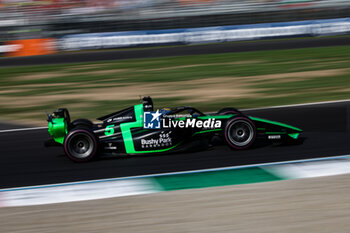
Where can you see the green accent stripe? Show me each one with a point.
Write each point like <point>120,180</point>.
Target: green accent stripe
<point>217,178</point>
<point>216,117</point>
<point>275,123</point>
<point>125,128</point>
<point>140,131</point>
<point>294,135</point>
<point>206,131</point>
<point>275,133</point>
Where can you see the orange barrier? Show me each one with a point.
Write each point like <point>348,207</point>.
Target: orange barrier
<point>32,47</point>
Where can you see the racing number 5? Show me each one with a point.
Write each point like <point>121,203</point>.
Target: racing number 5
<point>109,130</point>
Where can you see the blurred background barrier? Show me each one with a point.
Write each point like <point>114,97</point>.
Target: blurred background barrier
<point>205,35</point>
<point>9,48</point>
<point>34,19</point>
<point>31,47</point>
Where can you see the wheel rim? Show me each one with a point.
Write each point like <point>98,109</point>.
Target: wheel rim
<point>241,133</point>
<point>81,146</point>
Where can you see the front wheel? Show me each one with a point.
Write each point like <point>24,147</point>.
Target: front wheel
<point>240,133</point>
<point>80,145</point>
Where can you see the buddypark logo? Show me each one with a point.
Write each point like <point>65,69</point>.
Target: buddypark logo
<point>153,120</point>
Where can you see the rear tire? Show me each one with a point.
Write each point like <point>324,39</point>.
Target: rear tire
<point>80,145</point>
<point>240,133</point>
<point>227,111</point>
<point>81,123</point>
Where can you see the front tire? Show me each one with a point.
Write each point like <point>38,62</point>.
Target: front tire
<point>80,145</point>
<point>240,133</point>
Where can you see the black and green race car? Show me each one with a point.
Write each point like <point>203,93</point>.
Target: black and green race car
<point>141,130</point>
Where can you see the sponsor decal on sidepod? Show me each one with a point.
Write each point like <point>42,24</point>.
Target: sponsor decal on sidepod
<point>153,120</point>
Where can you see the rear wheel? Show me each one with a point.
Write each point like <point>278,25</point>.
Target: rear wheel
<point>226,111</point>
<point>80,145</point>
<point>81,123</point>
<point>240,133</point>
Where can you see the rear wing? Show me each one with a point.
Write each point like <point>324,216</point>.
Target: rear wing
<point>58,124</point>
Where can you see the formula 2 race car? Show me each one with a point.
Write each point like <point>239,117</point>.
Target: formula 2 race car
<point>141,130</point>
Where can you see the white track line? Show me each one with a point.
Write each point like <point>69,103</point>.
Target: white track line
<point>23,129</point>
<point>299,105</point>
<point>248,109</point>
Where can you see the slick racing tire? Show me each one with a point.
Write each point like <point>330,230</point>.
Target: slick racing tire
<point>80,145</point>
<point>240,133</point>
<point>81,123</point>
<point>226,111</point>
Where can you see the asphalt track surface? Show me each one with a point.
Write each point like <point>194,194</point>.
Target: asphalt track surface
<point>25,161</point>
<point>119,54</point>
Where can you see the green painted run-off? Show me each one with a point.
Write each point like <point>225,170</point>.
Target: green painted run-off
<point>214,178</point>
